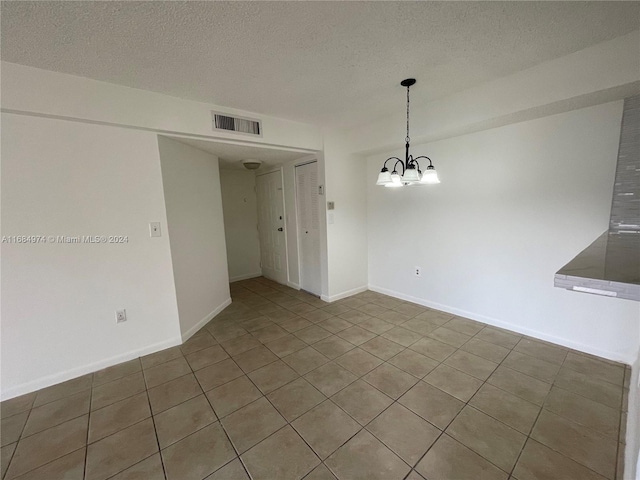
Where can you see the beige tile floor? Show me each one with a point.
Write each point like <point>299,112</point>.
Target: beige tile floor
<point>282,386</point>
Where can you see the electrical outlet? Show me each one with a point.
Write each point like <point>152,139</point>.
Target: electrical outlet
<point>121,316</point>
<point>417,271</point>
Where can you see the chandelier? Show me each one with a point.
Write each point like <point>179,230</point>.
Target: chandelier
<point>411,173</point>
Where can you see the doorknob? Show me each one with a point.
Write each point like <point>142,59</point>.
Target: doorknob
<point>280,229</point>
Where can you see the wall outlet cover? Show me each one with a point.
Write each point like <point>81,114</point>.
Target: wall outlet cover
<point>121,316</point>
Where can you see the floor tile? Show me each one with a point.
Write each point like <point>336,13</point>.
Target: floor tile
<point>596,369</point>
<point>12,427</point>
<point>321,472</point>
<point>376,325</point>
<point>538,462</point>
<point>171,393</point>
<point>354,316</point>
<point>43,447</point>
<point>449,459</point>
<point>432,404</point>
<point>117,371</point>
<point>312,334</point>
<point>205,357</point>
<point>362,401</point>
<point>393,317</point>
<point>534,367</point>
<point>450,337</point>
<point>227,333</point>
<point>231,471</point>
<point>390,380</point>
<point>420,325</point>
<point>433,349</point>
<point>499,336</point>
<point>251,424</point>
<point>56,412</point>
<point>356,335</point>
<point>336,309</point>
<point>117,390</point>
<point>198,455</point>
<point>16,405</point>
<point>201,340</point>
<point>410,309</point>
<point>548,352</point>
<point>325,428</point>
<point>62,390</point>
<point>489,351</point>
<point>218,374</point>
<point>305,360</point>
<point>269,333</point>
<point>358,361</point>
<point>402,336</point>
<point>488,437</point>
<point>255,358</point>
<point>414,476</point>
<point>295,324</point>
<point>521,385</point>
<point>273,376</point>
<point>333,346</point>
<point>316,316</point>
<point>233,395</point>
<point>183,420</point>
<point>121,450</point>
<point>365,457</point>
<point>330,378</point>
<point>148,469</point>
<point>413,362</point>
<point>286,345</point>
<point>256,323</point>
<point>509,409</point>
<point>283,455</point>
<point>295,398</point>
<point>606,393</point>
<point>583,411</point>
<point>335,324</point>
<point>372,309</point>
<point>117,416</point>
<point>382,348</point>
<point>471,364</point>
<point>165,372</point>
<point>454,382</point>
<point>68,467</point>
<point>240,344</point>
<point>405,433</point>
<point>162,356</point>
<point>300,308</point>
<point>6,453</point>
<point>464,325</point>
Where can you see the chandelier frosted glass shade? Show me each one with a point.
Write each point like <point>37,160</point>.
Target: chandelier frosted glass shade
<point>411,174</point>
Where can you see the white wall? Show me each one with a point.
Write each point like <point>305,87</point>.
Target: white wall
<point>346,186</point>
<point>239,205</point>
<point>191,181</point>
<point>59,300</point>
<point>515,204</point>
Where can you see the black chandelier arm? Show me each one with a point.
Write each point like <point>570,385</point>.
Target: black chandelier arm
<point>422,156</point>
<point>401,163</point>
<point>390,158</point>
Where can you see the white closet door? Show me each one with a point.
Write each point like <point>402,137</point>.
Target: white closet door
<point>273,250</point>
<point>308,226</point>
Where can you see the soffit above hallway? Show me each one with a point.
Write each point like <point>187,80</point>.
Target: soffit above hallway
<point>326,63</point>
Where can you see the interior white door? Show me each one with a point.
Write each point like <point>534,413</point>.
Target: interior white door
<point>271,225</point>
<point>308,226</point>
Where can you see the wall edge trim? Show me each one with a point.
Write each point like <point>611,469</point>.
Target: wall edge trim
<point>345,294</point>
<point>206,319</point>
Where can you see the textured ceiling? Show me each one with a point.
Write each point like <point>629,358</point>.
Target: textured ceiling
<point>328,63</point>
<point>231,156</point>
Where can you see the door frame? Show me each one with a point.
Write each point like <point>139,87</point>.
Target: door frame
<point>280,170</point>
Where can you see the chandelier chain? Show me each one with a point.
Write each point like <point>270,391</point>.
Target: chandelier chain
<point>407,139</point>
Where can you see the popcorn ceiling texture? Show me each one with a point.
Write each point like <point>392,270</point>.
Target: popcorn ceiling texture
<point>316,62</point>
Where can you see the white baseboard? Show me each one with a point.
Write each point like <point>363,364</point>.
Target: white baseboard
<point>49,380</point>
<point>345,294</point>
<point>193,330</point>
<point>565,342</point>
<point>246,276</point>
<point>293,285</point>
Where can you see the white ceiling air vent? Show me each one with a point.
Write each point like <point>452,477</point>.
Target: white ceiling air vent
<point>236,124</point>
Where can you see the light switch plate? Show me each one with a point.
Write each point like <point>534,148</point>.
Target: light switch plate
<point>154,229</point>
